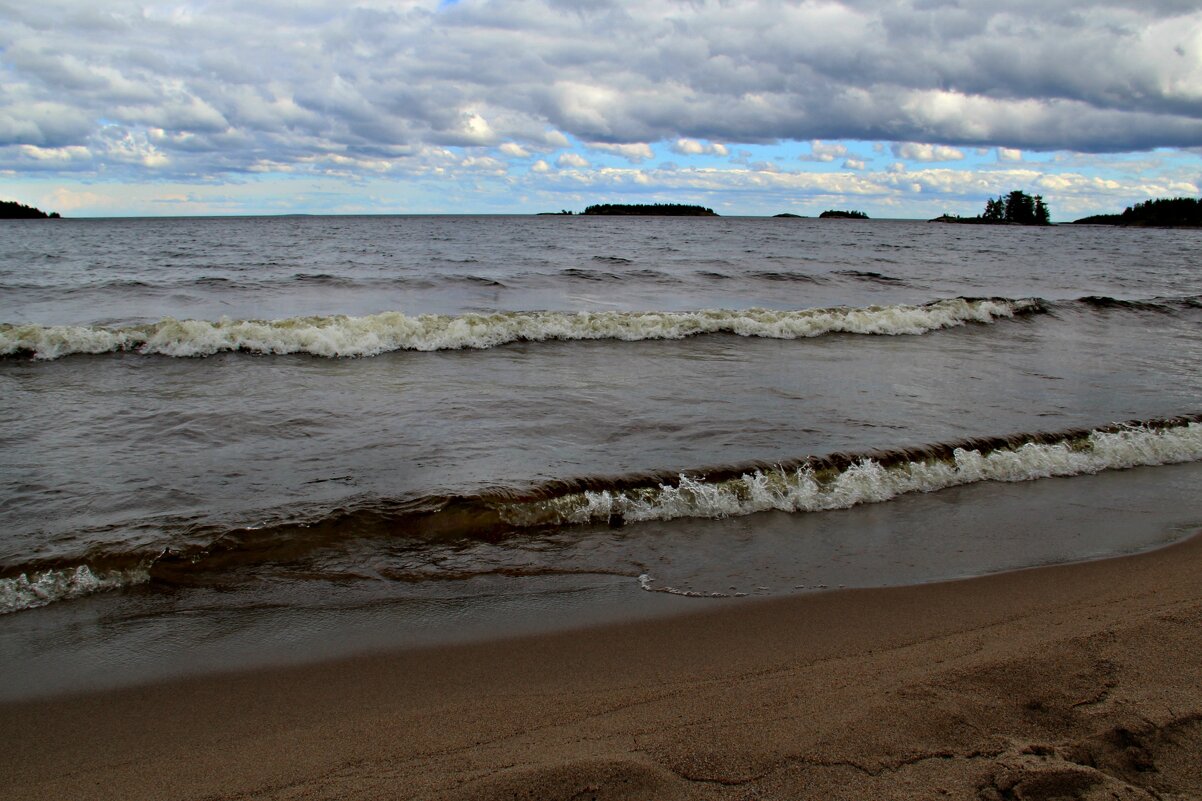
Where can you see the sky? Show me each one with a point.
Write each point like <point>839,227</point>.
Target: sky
<point>898,108</point>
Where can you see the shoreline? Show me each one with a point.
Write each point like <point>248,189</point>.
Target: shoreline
<point>1068,680</point>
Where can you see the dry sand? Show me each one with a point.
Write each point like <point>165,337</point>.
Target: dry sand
<point>1081,681</point>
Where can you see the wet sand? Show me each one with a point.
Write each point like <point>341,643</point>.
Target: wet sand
<point>1078,681</point>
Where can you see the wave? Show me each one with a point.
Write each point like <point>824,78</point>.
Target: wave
<point>776,275</point>
<point>240,284</point>
<point>868,275</point>
<point>44,587</point>
<point>342,336</point>
<point>321,279</point>
<point>842,481</point>
<point>811,484</point>
<point>1161,305</point>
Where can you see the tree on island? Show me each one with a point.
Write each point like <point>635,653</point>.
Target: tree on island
<point>1174,212</point>
<point>1019,208</point>
<point>10,210</point>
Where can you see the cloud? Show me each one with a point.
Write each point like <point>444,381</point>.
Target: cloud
<point>824,151</point>
<point>691,147</point>
<point>919,152</point>
<point>634,153</point>
<point>193,90</point>
<point>514,150</point>
<point>1009,154</point>
<point>573,160</point>
<point>483,163</point>
<point>66,200</point>
<point>854,164</point>
<point>438,179</point>
<point>926,190</point>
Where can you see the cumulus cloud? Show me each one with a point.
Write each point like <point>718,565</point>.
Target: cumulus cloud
<point>920,152</point>
<point>483,163</point>
<point>195,89</point>
<point>514,150</point>
<point>691,147</point>
<point>1009,154</point>
<point>824,151</point>
<point>573,160</point>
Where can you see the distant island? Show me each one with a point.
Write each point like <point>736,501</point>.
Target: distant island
<point>653,209</point>
<point>1177,212</point>
<point>835,214</point>
<point>19,211</point>
<point>1017,208</point>
<point>788,214</point>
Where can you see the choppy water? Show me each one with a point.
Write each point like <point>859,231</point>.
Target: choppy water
<point>231,420</point>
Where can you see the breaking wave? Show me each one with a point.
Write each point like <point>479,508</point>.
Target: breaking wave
<point>840,482</point>
<point>343,336</point>
<point>811,484</point>
<point>39,588</point>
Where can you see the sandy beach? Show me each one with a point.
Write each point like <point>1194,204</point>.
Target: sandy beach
<point>1078,681</point>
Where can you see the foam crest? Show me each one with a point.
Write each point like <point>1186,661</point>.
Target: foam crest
<point>807,489</point>
<point>342,336</point>
<point>31,590</point>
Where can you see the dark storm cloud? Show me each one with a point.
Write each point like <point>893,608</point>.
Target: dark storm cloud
<point>200,87</point>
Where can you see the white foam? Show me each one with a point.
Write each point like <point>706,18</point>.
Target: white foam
<point>868,481</point>
<point>342,336</point>
<point>28,591</point>
<point>647,583</point>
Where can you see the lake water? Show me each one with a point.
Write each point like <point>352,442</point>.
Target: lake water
<point>230,441</point>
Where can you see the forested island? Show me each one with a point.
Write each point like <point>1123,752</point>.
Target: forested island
<point>651,209</point>
<point>1177,212</point>
<point>835,214</point>
<point>1017,208</point>
<point>10,210</point>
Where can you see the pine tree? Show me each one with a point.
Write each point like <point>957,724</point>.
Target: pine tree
<point>1042,216</point>
<point>1020,208</point>
<point>993,209</point>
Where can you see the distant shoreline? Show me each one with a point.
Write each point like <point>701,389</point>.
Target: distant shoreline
<point>10,210</point>
<point>75,218</point>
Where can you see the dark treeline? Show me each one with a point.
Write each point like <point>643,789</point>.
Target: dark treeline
<point>19,211</point>
<point>1167,212</point>
<point>653,209</point>
<point>835,214</point>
